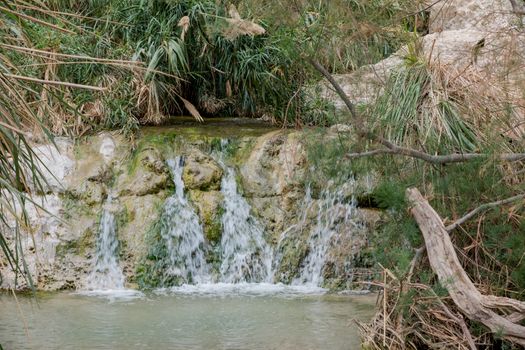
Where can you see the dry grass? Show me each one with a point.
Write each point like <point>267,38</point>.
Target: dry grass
<point>412,316</point>
<point>237,26</point>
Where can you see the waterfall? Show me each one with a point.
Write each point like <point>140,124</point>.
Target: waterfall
<point>334,214</point>
<point>300,225</point>
<point>246,257</point>
<point>106,273</point>
<point>183,233</point>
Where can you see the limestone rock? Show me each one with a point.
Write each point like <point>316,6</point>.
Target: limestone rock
<point>149,177</point>
<point>341,128</point>
<point>273,178</point>
<point>90,192</point>
<point>107,148</point>
<point>479,40</point>
<point>484,15</point>
<point>135,217</point>
<point>209,206</point>
<point>56,163</point>
<point>364,85</point>
<point>201,171</point>
<point>275,166</point>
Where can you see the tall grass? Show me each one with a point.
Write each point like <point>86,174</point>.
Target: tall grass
<point>198,66</point>
<point>415,109</point>
<point>20,168</point>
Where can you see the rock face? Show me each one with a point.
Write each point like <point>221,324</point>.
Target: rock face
<point>149,176</point>
<point>271,173</point>
<point>58,164</point>
<point>480,42</point>
<point>201,172</point>
<point>273,177</point>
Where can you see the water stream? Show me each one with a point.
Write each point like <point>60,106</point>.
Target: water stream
<point>246,257</point>
<point>183,233</point>
<point>106,273</point>
<point>334,213</point>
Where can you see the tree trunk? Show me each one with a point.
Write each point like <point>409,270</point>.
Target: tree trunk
<point>452,276</point>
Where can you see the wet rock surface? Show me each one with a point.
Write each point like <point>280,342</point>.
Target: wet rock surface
<point>270,174</point>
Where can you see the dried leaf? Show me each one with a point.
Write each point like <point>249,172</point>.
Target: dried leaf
<point>234,13</point>
<point>238,26</point>
<point>184,23</point>
<point>193,111</point>
<point>228,89</point>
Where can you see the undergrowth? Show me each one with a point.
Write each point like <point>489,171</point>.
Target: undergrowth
<point>163,58</point>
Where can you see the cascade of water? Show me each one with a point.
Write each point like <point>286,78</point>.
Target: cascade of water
<point>181,230</point>
<point>334,214</point>
<point>300,225</point>
<point>246,257</point>
<point>106,273</point>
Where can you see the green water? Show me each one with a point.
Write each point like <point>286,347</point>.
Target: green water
<point>211,127</point>
<point>70,321</point>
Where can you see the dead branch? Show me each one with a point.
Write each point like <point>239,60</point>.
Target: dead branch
<point>391,148</point>
<point>434,159</point>
<point>351,107</point>
<point>482,208</point>
<point>35,20</point>
<point>55,82</point>
<point>517,8</point>
<point>452,276</point>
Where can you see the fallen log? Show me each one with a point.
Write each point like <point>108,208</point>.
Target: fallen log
<point>452,276</point>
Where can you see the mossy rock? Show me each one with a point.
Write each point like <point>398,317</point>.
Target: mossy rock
<point>77,247</point>
<point>201,172</point>
<point>210,210</point>
<point>294,250</point>
<point>147,174</point>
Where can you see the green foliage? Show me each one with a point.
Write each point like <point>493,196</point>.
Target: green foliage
<point>188,58</point>
<point>343,35</point>
<point>150,272</point>
<point>327,157</point>
<point>390,195</point>
<point>395,241</point>
<point>406,116</point>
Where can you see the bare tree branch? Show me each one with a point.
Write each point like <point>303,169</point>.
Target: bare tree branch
<point>434,159</point>
<point>482,208</point>
<point>445,264</point>
<point>518,9</point>
<point>398,150</point>
<point>55,82</point>
<point>351,107</point>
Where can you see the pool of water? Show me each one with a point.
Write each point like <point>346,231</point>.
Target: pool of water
<point>211,127</point>
<point>184,318</point>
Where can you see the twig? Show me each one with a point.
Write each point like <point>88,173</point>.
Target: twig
<point>482,208</point>
<point>63,55</point>
<point>385,313</point>
<point>51,12</point>
<point>516,8</point>
<point>434,159</point>
<point>394,149</point>
<point>54,82</point>
<point>36,20</point>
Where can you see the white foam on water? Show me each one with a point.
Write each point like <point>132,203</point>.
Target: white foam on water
<point>183,233</point>
<point>246,257</point>
<point>113,295</point>
<point>107,273</point>
<point>241,289</point>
